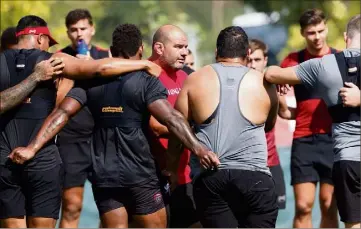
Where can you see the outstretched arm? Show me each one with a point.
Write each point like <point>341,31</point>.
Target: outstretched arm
<point>306,73</point>
<point>84,69</point>
<point>278,75</point>
<point>44,70</point>
<point>51,126</point>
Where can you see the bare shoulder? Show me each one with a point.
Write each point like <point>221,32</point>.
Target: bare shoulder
<point>199,76</point>
<point>259,79</point>
<point>256,74</point>
<point>254,79</point>
<point>202,72</point>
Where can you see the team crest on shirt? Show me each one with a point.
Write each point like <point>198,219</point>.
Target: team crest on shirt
<point>157,198</point>
<point>112,109</point>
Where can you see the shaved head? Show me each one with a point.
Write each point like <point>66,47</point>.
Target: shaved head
<point>170,47</point>
<point>166,33</point>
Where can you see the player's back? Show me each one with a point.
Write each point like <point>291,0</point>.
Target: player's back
<point>230,111</point>
<point>119,108</point>
<point>20,124</point>
<point>254,95</point>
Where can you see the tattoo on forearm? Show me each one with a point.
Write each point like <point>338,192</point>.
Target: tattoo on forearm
<point>52,125</point>
<point>13,96</point>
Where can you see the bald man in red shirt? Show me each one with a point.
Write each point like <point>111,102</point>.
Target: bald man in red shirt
<point>170,48</point>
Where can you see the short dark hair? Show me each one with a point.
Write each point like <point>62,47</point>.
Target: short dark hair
<point>8,38</point>
<point>190,52</point>
<point>311,17</point>
<point>127,39</point>
<point>232,42</point>
<point>353,26</point>
<point>30,21</point>
<point>76,15</point>
<point>255,44</point>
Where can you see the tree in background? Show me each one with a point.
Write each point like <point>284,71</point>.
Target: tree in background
<point>53,12</point>
<point>206,18</point>
<point>338,13</point>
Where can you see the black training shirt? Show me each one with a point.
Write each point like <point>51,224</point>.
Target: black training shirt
<point>19,125</point>
<point>80,127</point>
<point>120,149</point>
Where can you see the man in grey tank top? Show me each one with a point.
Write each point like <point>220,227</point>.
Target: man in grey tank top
<point>326,76</point>
<point>221,100</point>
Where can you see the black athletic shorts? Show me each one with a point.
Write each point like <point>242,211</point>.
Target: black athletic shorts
<point>346,177</point>
<point>312,159</point>
<point>182,207</point>
<point>142,199</point>
<point>165,190</point>
<point>277,175</point>
<point>30,193</point>
<point>236,198</point>
<point>77,163</point>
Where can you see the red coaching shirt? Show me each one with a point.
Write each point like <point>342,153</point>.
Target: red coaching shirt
<point>311,113</point>
<point>273,158</point>
<point>173,83</point>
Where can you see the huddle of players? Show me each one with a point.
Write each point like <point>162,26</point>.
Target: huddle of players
<point>117,160</point>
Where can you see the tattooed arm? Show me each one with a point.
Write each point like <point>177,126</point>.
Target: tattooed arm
<point>44,70</point>
<point>51,126</point>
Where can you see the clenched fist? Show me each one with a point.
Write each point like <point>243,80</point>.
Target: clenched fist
<point>21,154</point>
<point>207,159</point>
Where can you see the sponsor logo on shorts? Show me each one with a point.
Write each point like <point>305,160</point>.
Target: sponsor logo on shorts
<point>166,187</point>
<point>157,198</point>
<point>282,198</point>
<point>112,109</point>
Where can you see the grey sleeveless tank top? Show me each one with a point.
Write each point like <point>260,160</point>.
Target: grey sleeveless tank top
<point>238,143</point>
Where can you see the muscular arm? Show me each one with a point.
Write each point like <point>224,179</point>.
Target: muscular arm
<point>179,127</point>
<point>44,70</point>
<point>175,122</point>
<point>277,75</point>
<point>306,73</point>
<point>285,111</point>
<point>55,122</point>
<point>13,96</point>
<point>84,69</point>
